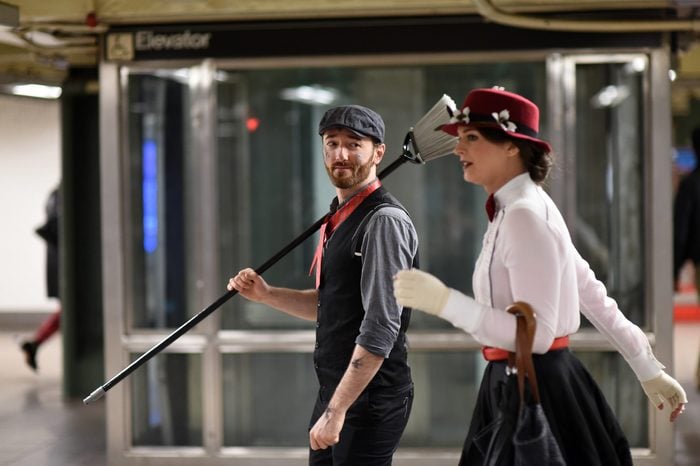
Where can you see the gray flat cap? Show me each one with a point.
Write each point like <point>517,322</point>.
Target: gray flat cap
<point>356,118</point>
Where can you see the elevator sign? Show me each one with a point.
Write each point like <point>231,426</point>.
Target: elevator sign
<point>150,44</point>
<point>149,40</point>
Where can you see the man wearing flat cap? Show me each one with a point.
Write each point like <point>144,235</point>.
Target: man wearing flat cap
<point>366,390</point>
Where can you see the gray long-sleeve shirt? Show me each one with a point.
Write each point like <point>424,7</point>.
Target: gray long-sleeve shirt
<point>390,244</point>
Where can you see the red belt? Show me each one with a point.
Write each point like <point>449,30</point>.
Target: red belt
<point>498,354</point>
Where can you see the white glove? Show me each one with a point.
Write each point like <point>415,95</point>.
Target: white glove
<point>420,290</point>
<point>664,388</point>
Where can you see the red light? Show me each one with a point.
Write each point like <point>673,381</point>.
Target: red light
<point>252,124</point>
<point>91,19</point>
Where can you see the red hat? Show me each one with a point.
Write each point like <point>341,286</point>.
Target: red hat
<point>495,108</point>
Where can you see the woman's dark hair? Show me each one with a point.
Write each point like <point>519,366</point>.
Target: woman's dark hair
<point>538,162</point>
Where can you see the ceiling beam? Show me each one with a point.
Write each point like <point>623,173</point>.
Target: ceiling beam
<point>9,15</point>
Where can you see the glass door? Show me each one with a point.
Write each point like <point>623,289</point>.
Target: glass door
<point>164,173</point>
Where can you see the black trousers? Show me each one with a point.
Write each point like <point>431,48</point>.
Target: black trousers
<point>372,430</point>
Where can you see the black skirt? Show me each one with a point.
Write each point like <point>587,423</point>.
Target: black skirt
<point>580,418</point>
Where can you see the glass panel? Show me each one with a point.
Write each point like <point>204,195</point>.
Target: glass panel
<point>441,411</point>
<point>609,224</point>
<point>166,401</point>
<point>260,390</point>
<point>158,128</point>
<point>253,405</point>
<point>622,392</point>
<point>447,384</point>
<point>273,184</point>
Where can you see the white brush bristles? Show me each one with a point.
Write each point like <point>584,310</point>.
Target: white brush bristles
<point>432,143</point>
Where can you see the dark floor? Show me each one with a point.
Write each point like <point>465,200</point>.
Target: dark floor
<point>38,428</point>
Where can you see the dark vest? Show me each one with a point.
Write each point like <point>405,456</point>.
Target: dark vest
<point>340,310</point>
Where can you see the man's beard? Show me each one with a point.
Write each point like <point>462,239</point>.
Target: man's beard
<point>359,174</point>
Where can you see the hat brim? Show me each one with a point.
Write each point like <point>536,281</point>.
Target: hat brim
<point>451,129</point>
<point>352,130</point>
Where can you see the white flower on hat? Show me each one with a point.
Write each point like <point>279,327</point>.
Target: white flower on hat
<point>503,119</point>
<point>499,88</point>
<point>461,116</point>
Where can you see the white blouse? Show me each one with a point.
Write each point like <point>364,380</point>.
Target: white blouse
<point>528,255</point>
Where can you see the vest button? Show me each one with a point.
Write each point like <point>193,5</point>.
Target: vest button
<point>316,346</point>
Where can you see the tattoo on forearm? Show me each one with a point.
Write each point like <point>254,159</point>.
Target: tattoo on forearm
<point>328,412</point>
<point>357,363</point>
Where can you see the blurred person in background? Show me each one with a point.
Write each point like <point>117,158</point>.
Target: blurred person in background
<point>686,219</point>
<point>686,227</point>
<point>49,233</point>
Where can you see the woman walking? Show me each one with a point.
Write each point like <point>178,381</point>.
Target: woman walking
<point>528,255</point>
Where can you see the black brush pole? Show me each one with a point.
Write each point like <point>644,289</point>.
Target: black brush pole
<point>204,313</point>
<point>392,166</point>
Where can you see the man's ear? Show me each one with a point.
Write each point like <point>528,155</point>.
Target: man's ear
<point>379,150</point>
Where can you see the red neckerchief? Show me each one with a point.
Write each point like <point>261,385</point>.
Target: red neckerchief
<point>491,207</point>
<point>333,221</point>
